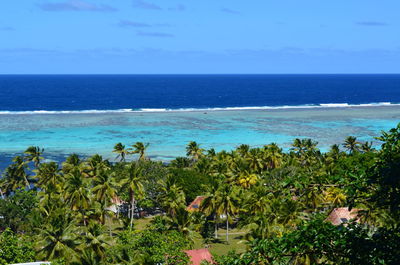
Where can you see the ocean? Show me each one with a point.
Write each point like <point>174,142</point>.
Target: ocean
<point>88,114</point>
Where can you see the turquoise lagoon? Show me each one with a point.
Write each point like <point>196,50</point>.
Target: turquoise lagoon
<point>168,132</point>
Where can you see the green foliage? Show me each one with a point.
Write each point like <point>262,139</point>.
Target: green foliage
<point>385,175</point>
<point>33,154</point>
<point>58,237</point>
<point>319,242</point>
<point>191,181</point>
<point>15,176</point>
<point>15,249</point>
<point>121,151</point>
<point>153,173</point>
<point>17,210</point>
<point>140,149</point>
<point>151,246</point>
<point>231,258</point>
<point>279,200</point>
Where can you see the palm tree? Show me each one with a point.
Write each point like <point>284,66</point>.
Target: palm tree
<point>48,174</point>
<point>289,212</point>
<point>88,257</point>
<point>15,176</point>
<point>98,211</point>
<point>351,144</point>
<point>313,197</point>
<point>366,147</point>
<point>121,152</point>
<point>182,221</point>
<point>335,196</point>
<point>96,239</point>
<point>172,197</point>
<point>227,203</point>
<point>33,154</point>
<point>211,153</point>
<point>310,145</point>
<point>257,212</point>
<point>50,200</point>
<point>303,146</point>
<point>76,192</point>
<point>221,200</point>
<point>247,179</point>
<point>71,162</point>
<point>237,163</point>
<point>94,166</point>
<point>298,146</point>
<point>104,187</point>
<point>132,180</point>
<point>255,160</point>
<point>180,162</point>
<point>194,151</point>
<point>140,148</point>
<point>221,164</point>
<point>307,152</point>
<point>58,238</point>
<point>104,190</point>
<point>243,149</point>
<point>334,152</point>
<point>209,204</point>
<point>132,257</point>
<point>203,166</point>
<point>273,155</point>
<point>257,201</point>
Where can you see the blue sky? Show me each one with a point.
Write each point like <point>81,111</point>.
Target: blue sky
<point>199,36</point>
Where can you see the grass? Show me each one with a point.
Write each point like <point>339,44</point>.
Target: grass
<point>217,247</point>
<point>140,224</point>
<point>220,246</point>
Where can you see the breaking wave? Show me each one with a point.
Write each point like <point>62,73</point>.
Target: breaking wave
<point>149,110</point>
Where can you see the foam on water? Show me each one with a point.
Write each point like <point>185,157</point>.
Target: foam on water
<point>287,107</point>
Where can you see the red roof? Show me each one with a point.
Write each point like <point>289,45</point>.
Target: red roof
<point>342,215</point>
<point>198,255</point>
<point>195,205</point>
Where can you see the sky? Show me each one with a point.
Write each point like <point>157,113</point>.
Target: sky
<point>199,36</point>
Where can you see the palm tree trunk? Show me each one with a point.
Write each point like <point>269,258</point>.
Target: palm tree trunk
<point>216,226</point>
<point>83,217</point>
<point>132,208</point>
<point>227,228</point>
<point>28,186</point>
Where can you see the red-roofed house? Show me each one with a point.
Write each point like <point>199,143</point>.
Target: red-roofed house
<point>342,215</point>
<point>198,255</point>
<point>195,205</point>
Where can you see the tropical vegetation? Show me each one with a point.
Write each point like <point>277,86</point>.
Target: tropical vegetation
<point>84,210</point>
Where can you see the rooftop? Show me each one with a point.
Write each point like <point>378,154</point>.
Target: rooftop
<point>199,255</point>
<point>342,215</point>
<point>195,204</point>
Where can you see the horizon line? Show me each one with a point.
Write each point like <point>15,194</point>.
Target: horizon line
<point>171,74</point>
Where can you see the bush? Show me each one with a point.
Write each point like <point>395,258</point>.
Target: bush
<point>14,249</point>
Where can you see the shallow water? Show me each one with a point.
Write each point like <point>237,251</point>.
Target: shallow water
<point>169,132</point>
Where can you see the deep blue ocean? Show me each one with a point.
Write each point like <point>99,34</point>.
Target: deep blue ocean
<point>113,92</point>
